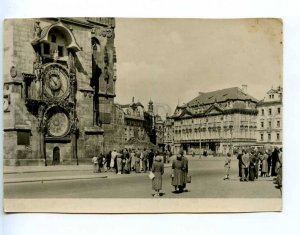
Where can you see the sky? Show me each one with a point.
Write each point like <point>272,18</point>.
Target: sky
<point>171,60</point>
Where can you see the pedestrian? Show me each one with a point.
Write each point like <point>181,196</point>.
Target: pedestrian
<point>177,173</point>
<point>268,152</point>
<point>279,169</point>
<point>132,154</point>
<point>108,160</point>
<point>145,160</point>
<point>137,162</point>
<point>265,165</point>
<point>128,162</point>
<point>227,166</point>
<point>100,162</point>
<point>114,154</point>
<point>245,165</point>
<point>158,171</point>
<point>150,158</point>
<point>274,162</point>
<point>239,158</point>
<point>95,164</point>
<point>119,162</point>
<point>252,165</point>
<point>185,169</point>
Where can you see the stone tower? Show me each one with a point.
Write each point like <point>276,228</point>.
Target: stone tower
<point>59,86</point>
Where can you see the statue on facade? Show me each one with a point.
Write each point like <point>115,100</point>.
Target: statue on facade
<point>37,30</point>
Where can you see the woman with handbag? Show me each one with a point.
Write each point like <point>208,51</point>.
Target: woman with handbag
<point>177,173</point>
<point>158,171</point>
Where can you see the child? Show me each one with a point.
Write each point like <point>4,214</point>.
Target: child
<point>227,166</point>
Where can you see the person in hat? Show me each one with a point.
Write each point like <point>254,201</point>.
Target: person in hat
<point>158,171</point>
<point>177,173</point>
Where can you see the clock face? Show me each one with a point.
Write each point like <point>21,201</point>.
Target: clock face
<point>58,124</point>
<point>56,82</point>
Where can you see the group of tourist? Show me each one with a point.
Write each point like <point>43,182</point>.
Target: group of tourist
<point>126,161</point>
<point>254,163</point>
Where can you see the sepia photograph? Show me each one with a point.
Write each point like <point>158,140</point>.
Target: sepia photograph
<point>142,115</point>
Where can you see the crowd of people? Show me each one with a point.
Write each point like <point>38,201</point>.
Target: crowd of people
<point>145,160</point>
<point>254,163</point>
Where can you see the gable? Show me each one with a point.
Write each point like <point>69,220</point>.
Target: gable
<point>214,110</point>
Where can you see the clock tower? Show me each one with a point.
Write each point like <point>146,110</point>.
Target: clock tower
<point>59,89</point>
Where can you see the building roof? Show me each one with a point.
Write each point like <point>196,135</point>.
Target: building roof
<point>223,95</point>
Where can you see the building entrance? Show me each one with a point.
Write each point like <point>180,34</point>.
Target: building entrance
<point>56,156</point>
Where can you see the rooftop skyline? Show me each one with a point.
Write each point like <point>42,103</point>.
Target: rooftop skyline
<point>171,60</point>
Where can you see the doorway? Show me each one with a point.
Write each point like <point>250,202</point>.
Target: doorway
<point>56,156</point>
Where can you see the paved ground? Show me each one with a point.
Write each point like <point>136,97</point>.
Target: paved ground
<point>80,182</point>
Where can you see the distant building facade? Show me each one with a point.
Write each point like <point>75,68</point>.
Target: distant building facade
<point>215,122</point>
<point>269,118</point>
<point>59,89</point>
<point>169,134</point>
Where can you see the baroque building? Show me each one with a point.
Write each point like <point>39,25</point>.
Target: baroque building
<point>59,89</point>
<point>137,125</point>
<point>215,121</point>
<point>269,118</point>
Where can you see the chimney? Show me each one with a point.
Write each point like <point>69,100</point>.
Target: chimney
<point>244,88</point>
<point>133,99</point>
<point>200,93</point>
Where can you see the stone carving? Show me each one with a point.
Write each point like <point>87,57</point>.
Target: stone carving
<point>37,30</point>
<point>13,72</point>
<point>71,63</point>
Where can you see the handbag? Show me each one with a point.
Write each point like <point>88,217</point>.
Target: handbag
<point>189,179</point>
<point>151,175</point>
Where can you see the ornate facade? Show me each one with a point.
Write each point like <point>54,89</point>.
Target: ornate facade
<point>59,89</point>
<point>216,121</point>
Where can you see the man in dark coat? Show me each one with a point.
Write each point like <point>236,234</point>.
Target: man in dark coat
<point>239,158</point>
<point>185,169</point>
<point>150,158</point>
<point>274,157</point>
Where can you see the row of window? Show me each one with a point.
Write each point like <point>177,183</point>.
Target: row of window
<point>270,111</point>
<point>269,136</point>
<point>262,124</point>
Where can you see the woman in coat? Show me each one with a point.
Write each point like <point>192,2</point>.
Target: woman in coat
<point>177,173</point>
<point>252,166</point>
<point>137,162</point>
<point>158,171</point>
<point>264,168</point>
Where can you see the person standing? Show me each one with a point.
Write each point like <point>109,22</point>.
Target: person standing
<point>150,158</point>
<point>137,162</point>
<point>265,165</point>
<point>239,158</point>
<point>108,160</point>
<point>113,159</point>
<point>95,164</point>
<point>119,162</point>
<point>145,160</point>
<point>245,165</point>
<point>177,173</point>
<point>185,169</point>
<point>274,161</point>
<point>252,165</point>
<point>227,166</point>
<point>158,171</point>
<point>279,169</point>
<point>132,156</point>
